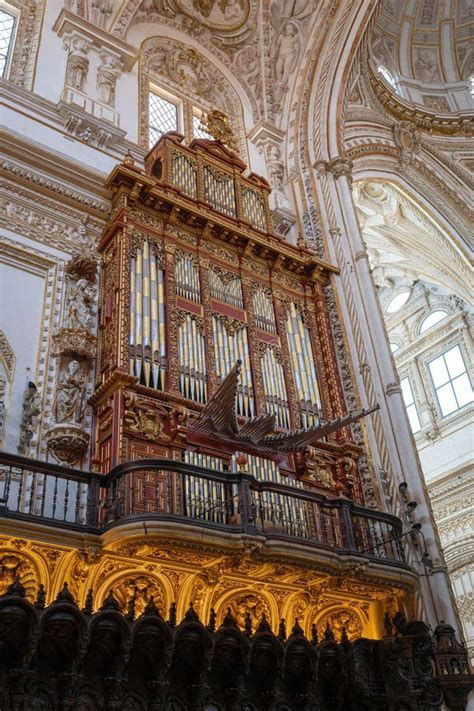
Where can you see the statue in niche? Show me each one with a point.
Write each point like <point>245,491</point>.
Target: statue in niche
<point>106,79</point>
<point>29,418</point>
<point>69,406</point>
<point>76,72</point>
<point>79,306</point>
<point>276,169</point>
<point>287,52</point>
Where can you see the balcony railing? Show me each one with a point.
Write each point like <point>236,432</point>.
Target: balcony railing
<point>161,489</point>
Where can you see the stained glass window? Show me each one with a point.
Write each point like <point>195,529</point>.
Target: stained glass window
<point>7,25</point>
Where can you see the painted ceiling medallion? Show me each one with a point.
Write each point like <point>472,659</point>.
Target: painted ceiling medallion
<point>221,15</point>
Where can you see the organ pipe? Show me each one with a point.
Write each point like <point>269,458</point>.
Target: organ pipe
<point>231,344</point>
<point>187,278</point>
<point>229,292</point>
<point>274,386</point>
<point>204,499</point>
<point>192,360</point>
<point>147,318</point>
<point>304,370</point>
<point>263,310</point>
<point>279,510</point>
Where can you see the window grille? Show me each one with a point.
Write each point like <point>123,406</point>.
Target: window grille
<point>163,116</point>
<point>7,26</point>
<point>198,131</point>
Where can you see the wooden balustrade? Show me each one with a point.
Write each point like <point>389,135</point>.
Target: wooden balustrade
<point>161,489</point>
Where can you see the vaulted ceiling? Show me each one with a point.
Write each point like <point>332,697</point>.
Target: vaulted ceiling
<point>424,49</point>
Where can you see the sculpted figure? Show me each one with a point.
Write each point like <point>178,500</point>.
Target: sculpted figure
<point>76,75</point>
<point>70,394</point>
<point>105,648</point>
<point>106,80</point>
<point>287,53</point>
<point>276,168</point>
<point>79,307</point>
<point>29,418</point>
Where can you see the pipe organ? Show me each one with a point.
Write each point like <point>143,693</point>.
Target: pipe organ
<point>194,280</point>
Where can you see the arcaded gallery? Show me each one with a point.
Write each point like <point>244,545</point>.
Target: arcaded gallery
<point>236,404</point>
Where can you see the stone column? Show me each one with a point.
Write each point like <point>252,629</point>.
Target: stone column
<point>389,432</point>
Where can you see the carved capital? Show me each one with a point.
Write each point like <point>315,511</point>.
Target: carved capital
<point>339,166</point>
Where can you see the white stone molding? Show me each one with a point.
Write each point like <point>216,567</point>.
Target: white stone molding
<point>68,23</point>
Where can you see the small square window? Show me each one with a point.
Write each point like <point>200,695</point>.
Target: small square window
<point>451,381</point>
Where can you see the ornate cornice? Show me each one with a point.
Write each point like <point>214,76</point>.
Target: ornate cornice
<point>459,124</point>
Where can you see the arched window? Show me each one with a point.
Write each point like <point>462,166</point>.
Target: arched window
<point>7,33</point>
<point>398,301</point>
<point>433,318</point>
<point>394,347</point>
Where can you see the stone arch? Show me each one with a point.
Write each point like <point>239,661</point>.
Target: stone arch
<point>139,584</point>
<point>137,27</point>
<point>297,606</point>
<point>337,617</point>
<point>165,60</point>
<point>243,600</point>
<point>26,565</point>
<point>197,591</point>
<point>446,264</point>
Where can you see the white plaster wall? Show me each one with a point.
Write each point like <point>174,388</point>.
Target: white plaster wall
<point>52,57</point>
<point>453,451</point>
<point>21,303</point>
